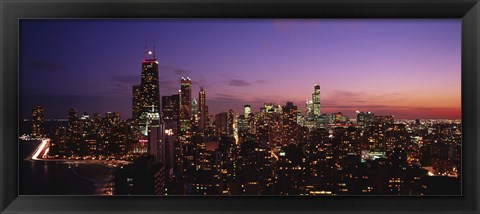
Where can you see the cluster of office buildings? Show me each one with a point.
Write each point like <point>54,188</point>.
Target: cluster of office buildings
<point>177,148</point>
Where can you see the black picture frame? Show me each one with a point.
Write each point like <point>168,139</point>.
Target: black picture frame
<point>13,10</point>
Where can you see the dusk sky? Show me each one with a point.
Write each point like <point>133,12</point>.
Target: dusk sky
<point>406,68</point>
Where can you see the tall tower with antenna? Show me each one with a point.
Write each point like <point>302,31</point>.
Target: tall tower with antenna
<point>146,99</point>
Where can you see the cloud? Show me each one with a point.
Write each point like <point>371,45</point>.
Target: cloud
<point>338,94</point>
<point>226,98</point>
<point>166,69</point>
<point>355,106</point>
<point>239,83</point>
<point>49,66</point>
<point>261,81</point>
<point>355,98</point>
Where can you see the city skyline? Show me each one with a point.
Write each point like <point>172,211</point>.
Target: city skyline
<point>184,134</point>
<point>416,82</point>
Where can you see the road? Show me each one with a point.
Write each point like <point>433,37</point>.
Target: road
<point>41,154</point>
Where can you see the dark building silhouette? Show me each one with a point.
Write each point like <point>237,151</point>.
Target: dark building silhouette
<point>143,177</point>
<point>171,107</point>
<point>221,123</point>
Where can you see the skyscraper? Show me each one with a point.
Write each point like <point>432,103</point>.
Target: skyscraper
<point>289,124</point>
<point>316,100</point>
<point>195,109</point>
<point>221,124</point>
<point>146,105</point>
<point>167,108</point>
<point>136,101</point>
<point>113,118</point>
<point>185,98</point>
<point>185,124</point>
<point>195,113</point>
<point>246,110</point>
<point>309,109</point>
<point>176,107</point>
<point>202,109</point>
<point>185,105</point>
<point>230,122</point>
<point>171,107</point>
<point>146,96</point>
<point>156,129</point>
<point>37,121</point>
<point>74,131</point>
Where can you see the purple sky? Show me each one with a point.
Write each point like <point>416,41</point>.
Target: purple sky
<point>408,68</point>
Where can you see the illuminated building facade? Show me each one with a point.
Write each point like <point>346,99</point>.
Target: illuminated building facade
<point>202,108</point>
<point>230,122</point>
<point>136,101</point>
<point>195,113</point>
<point>365,118</point>
<point>38,121</point>
<point>156,130</point>
<point>316,100</point>
<point>275,150</point>
<point>309,109</point>
<point>185,115</point>
<point>272,152</point>
<point>146,96</point>
<point>185,98</point>
<point>289,130</point>
<point>247,110</point>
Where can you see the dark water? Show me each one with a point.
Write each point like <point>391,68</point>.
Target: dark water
<point>52,178</point>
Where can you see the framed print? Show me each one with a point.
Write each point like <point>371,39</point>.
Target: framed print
<point>274,106</point>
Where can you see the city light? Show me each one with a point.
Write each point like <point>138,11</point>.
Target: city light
<point>184,138</point>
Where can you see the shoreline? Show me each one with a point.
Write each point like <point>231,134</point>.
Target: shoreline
<point>98,173</point>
